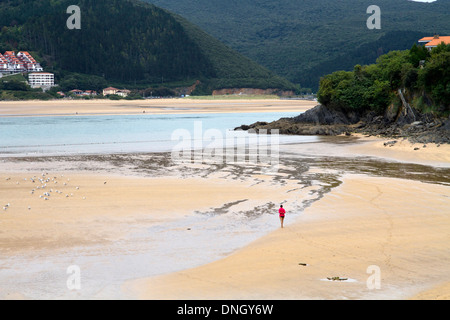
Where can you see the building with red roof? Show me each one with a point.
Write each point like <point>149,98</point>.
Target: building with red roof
<point>14,64</point>
<point>29,62</point>
<point>22,62</point>
<point>433,42</point>
<point>3,63</point>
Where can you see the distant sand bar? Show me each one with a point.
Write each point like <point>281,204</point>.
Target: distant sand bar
<point>151,106</point>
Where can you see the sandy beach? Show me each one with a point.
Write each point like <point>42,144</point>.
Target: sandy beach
<point>139,227</point>
<point>404,150</point>
<point>365,222</point>
<point>152,106</point>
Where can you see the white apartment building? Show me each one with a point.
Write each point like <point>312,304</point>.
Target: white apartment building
<point>41,80</point>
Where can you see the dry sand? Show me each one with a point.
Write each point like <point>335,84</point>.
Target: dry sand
<point>403,150</point>
<point>152,106</point>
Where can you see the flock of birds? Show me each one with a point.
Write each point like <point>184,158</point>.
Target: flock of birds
<point>41,185</point>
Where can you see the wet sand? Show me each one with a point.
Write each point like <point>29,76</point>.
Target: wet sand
<point>397,225</point>
<point>117,228</point>
<point>152,106</point>
<point>120,213</point>
<point>365,222</point>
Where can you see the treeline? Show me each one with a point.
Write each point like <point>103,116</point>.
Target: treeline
<point>424,76</point>
<point>270,83</point>
<point>119,40</point>
<point>364,54</point>
<point>15,88</point>
<point>304,40</point>
<point>124,42</point>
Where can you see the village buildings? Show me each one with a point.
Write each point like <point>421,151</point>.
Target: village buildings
<point>22,62</point>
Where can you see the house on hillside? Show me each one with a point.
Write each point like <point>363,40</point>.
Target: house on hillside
<point>433,42</point>
<point>3,64</point>
<point>14,64</point>
<point>29,62</point>
<point>22,62</point>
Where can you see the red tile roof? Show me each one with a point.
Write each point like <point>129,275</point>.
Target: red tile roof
<point>432,42</point>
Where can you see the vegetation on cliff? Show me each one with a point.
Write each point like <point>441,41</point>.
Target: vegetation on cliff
<point>405,94</point>
<point>423,77</point>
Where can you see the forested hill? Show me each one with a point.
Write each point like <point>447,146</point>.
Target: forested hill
<point>304,40</point>
<point>125,41</point>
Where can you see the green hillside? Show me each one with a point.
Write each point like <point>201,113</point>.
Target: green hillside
<point>423,77</point>
<point>126,42</point>
<point>304,40</point>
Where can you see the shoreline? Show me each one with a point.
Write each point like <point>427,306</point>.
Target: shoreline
<point>119,214</point>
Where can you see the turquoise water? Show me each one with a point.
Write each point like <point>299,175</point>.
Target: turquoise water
<point>107,134</point>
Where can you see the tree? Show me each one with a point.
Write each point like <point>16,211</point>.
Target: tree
<point>435,76</point>
<point>82,82</point>
<point>417,54</point>
<point>327,94</point>
<point>391,65</point>
<point>14,85</point>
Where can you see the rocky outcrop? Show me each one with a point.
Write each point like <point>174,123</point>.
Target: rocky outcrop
<point>421,128</point>
<point>426,129</point>
<point>317,121</point>
<point>321,115</point>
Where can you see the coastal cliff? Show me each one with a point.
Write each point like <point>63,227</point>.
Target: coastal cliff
<point>320,120</point>
<point>406,94</point>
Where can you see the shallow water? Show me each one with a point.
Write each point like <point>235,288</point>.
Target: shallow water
<point>107,134</point>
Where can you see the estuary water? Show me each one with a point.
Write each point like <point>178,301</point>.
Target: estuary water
<point>108,134</point>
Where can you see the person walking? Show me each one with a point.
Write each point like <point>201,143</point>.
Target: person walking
<point>282,213</point>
